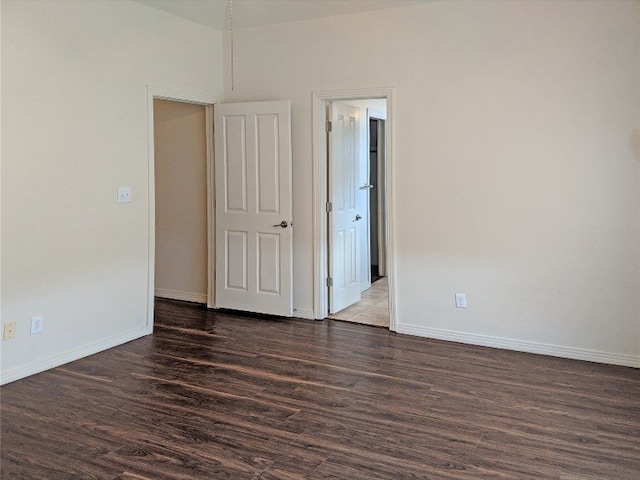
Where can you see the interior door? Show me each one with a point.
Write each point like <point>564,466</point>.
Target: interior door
<point>381,196</point>
<point>377,156</point>
<point>254,234</point>
<point>345,220</point>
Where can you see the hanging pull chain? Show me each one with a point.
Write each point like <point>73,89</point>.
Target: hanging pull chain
<point>231,32</point>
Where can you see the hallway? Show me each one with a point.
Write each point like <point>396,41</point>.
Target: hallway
<point>372,309</point>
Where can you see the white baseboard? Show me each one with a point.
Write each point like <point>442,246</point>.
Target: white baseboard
<point>184,296</point>
<point>56,360</point>
<point>303,313</point>
<point>520,346</point>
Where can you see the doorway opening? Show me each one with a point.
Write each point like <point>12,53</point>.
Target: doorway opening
<point>181,201</point>
<point>353,206</point>
<point>177,104</point>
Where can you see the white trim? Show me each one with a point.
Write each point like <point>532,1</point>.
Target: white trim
<point>151,188</point>
<point>520,346</point>
<point>182,96</point>
<point>319,153</point>
<point>306,313</point>
<point>184,296</point>
<point>56,360</point>
<point>178,96</point>
<point>211,210</point>
<point>319,118</point>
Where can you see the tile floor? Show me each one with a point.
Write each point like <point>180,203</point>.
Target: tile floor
<point>373,309</point>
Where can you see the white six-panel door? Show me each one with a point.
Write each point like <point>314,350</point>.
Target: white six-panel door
<point>345,221</point>
<point>254,232</point>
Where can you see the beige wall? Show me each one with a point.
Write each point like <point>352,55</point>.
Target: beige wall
<point>74,128</point>
<point>181,200</point>
<point>516,179</point>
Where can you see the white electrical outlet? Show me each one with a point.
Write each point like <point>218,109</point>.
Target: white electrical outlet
<point>461,300</point>
<point>124,194</point>
<point>36,325</point>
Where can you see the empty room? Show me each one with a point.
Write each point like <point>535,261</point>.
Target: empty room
<point>305,239</point>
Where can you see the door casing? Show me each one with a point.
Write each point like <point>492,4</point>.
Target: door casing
<point>320,227</point>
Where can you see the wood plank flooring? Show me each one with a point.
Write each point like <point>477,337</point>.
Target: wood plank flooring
<point>218,396</point>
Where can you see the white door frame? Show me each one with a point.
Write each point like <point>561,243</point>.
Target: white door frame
<point>186,97</point>
<point>320,182</point>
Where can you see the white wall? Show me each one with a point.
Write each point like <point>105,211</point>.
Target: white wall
<point>515,169</point>
<point>74,128</point>
<point>180,152</point>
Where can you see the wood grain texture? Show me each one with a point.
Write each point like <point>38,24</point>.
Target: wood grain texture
<point>215,395</point>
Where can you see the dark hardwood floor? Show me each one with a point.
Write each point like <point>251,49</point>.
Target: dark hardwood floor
<point>213,395</point>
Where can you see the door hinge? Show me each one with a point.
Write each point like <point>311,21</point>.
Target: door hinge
<point>329,126</point>
<point>329,207</point>
<point>329,282</point>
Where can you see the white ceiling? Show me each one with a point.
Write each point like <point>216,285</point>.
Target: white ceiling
<point>251,13</point>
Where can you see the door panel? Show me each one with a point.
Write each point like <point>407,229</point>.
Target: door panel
<point>236,260</point>
<point>235,163</point>
<point>344,222</point>
<point>268,261</point>
<point>268,171</point>
<point>254,237</point>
